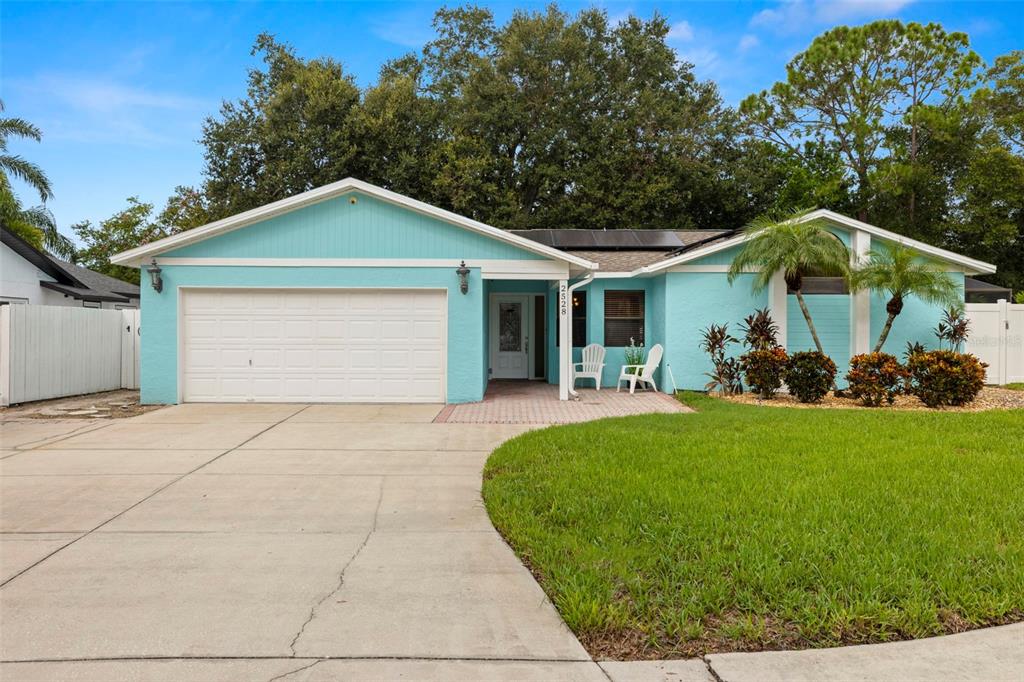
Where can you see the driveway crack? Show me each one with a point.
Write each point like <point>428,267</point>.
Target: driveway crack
<point>341,575</point>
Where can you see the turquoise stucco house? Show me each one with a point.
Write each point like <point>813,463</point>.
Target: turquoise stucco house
<point>353,293</point>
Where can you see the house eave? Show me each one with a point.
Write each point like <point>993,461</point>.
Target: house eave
<point>84,296</point>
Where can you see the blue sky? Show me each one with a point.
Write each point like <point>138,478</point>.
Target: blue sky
<point>120,90</point>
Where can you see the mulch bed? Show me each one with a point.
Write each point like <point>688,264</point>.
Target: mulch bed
<point>990,398</point>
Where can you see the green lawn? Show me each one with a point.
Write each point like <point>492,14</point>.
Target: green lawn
<point>1017,386</point>
<point>743,527</point>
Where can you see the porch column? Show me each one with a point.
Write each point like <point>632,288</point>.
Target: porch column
<point>564,340</point>
<point>778,292</point>
<point>860,301</point>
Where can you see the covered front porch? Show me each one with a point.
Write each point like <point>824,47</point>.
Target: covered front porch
<point>527,324</point>
<point>536,402</point>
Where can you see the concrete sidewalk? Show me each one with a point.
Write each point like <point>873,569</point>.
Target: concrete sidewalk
<point>992,654</point>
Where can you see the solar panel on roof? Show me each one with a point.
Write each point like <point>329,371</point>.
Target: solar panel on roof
<point>544,237</point>
<point>616,239</point>
<point>573,239</point>
<point>658,239</point>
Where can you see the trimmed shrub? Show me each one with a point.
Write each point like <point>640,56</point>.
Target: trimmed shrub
<point>764,370</point>
<point>874,377</point>
<point>944,377</point>
<point>809,375</point>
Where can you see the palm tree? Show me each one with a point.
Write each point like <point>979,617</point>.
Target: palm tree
<point>795,245</point>
<point>36,224</point>
<point>13,165</point>
<point>899,272</point>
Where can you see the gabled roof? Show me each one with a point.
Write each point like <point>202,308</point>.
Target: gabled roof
<point>140,255</point>
<point>970,265</point>
<point>32,255</point>
<point>71,279</point>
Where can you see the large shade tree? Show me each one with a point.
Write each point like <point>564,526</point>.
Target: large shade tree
<point>797,246</point>
<point>854,87</point>
<point>548,120</point>
<point>899,273</point>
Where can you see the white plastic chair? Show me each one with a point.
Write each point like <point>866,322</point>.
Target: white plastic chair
<point>592,365</point>
<point>646,375</point>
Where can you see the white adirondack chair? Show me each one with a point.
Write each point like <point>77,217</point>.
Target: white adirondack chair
<point>646,374</point>
<point>592,365</point>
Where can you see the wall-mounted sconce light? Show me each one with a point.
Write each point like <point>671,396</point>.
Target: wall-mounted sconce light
<point>154,276</point>
<point>463,273</point>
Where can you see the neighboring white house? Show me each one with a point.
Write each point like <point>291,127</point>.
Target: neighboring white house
<point>28,275</point>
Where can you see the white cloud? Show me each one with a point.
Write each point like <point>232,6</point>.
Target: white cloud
<point>748,42</point>
<point>704,59</point>
<point>789,16</point>
<point>411,28</point>
<point>681,31</point>
<point>104,109</point>
<point>841,10</point>
<point>793,16</point>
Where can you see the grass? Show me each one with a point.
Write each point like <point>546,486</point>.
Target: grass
<point>1016,386</point>
<point>740,528</point>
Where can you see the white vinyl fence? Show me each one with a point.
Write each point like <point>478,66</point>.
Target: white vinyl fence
<point>55,351</point>
<point>997,337</point>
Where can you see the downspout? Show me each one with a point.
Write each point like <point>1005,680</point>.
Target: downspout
<point>568,321</point>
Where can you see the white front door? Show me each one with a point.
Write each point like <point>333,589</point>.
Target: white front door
<point>313,345</point>
<point>510,349</point>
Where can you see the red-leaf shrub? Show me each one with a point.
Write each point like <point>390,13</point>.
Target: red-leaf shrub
<point>763,370</point>
<point>874,377</point>
<point>944,377</point>
<point>809,375</point>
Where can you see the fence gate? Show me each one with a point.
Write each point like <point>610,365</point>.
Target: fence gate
<point>997,337</point>
<point>56,351</point>
<point>130,347</point>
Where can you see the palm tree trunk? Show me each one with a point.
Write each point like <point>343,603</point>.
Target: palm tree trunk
<point>885,333</point>
<point>807,317</point>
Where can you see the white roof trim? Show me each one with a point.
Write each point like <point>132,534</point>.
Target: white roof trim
<point>971,265</point>
<point>141,254</point>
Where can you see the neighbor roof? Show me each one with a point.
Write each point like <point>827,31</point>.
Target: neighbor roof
<point>73,280</point>
<point>141,254</point>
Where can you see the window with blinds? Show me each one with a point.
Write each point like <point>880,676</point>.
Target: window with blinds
<point>623,318</point>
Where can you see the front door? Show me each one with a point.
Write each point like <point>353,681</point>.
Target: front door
<point>510,348</point>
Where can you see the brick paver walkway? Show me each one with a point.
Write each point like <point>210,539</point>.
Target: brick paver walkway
<point>532,402</point>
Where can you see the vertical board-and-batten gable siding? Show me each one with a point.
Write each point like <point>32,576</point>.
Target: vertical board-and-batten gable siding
<point>831,316</point>
<point>337,228</point>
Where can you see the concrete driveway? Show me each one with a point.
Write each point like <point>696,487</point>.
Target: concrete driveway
<point>260,541</point>
<point>272,542</point>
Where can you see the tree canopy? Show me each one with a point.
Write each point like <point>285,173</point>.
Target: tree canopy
<point>558,120</point>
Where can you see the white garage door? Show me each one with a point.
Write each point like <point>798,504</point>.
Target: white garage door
<point>301,345</point>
